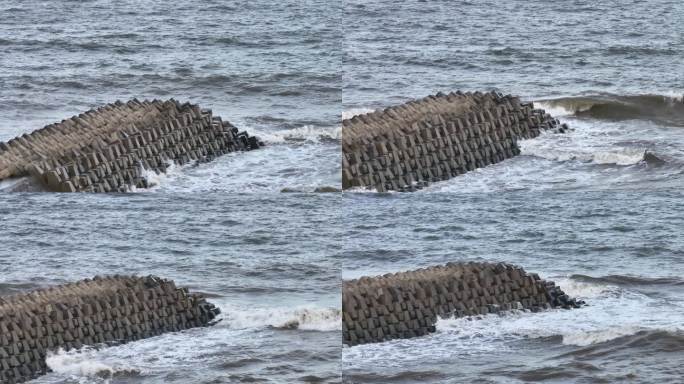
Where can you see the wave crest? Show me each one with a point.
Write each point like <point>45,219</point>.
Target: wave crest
<point>662,109</point>
<point>80,363</point>
<point>621,156</point>
<point>302,318</point>
<point>307,133</point>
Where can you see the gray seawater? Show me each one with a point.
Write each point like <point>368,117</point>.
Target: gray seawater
<point>581,208</point>
<point>624,258</point>
<point>267,259</point>
<point>270,68</point>
<point>612,72</point>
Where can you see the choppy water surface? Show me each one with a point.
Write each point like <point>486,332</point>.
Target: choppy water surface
<point>270,68</point>
<point>625,258</point>
<point>582,208</point>
<point>613,73</point>
<point>268,261</point>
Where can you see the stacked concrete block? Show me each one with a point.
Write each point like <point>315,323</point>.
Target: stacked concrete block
<point>109,149</point>
<point>105,310</point>
<point>404,148</point>
<point>408,304</point>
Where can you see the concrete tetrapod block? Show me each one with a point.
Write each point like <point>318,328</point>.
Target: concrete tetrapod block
<point>408,304</point>
<point>130,135</point>
<point>103,310</point>
<point>435,138</point>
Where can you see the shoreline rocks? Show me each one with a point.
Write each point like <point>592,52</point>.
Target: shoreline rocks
<point>407,304</point>
<point>110,148</point>
<point>406,147</point>
<point>103,310</point>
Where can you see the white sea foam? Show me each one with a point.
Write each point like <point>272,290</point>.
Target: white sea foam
<point>584,290</point>
<point>157,180</point>
<point>612,312</point>
<point>557,110</point>
<point>307,133</point>
<point>557,152</point>
<point>348,114</point>
<point>79,364</point>
<point>303,318</point>
<point>625,156</point>
<point>600,336</point>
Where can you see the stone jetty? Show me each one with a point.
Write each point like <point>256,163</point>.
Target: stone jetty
<point>104,310</point>
<point>110,148</point>
<point>408,304</point>
<point>406,147</point>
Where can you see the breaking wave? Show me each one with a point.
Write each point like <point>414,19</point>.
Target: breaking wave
<point>662,109</point>
<point>83,362</point>
<point>348,114</point>
<point>302,318</point>
<point>621,156</point>
<point>626,338</point>
<point>305,134</point>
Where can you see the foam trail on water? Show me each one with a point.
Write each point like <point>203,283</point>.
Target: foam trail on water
<point>618,156</point>
<point>79,363</point>
<point>554,109</point>
<point>613,312</point>
<point>307,133</point>
<point>304,318</point>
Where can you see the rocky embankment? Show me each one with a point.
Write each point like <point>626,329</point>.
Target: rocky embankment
<point>407,304</point>
<point>406,147</point>
<point>104,310</point>
<point>109,149</point>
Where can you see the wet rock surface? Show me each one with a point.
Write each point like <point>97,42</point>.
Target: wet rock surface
<point>110,148</point>
<point>406,147</point>
<point>408,304</point>
<point>99,311</point>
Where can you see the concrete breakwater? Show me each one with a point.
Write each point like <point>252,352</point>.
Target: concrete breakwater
<point>405,147</point>
<point>108,149</point>
<point>102,310</point>
<point>407,304</point>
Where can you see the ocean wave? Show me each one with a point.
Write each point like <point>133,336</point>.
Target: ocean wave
<point>665,109</point>
<point>348,114</point>
<point>634,337</point>
<point>628,280</point>
<point>157,180</point>
<point>585,338</point>
<point>84,363</point>
<point>302,318</point>
<point>307,133</point>
<point>618,156</point>
<point>585,289</point>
